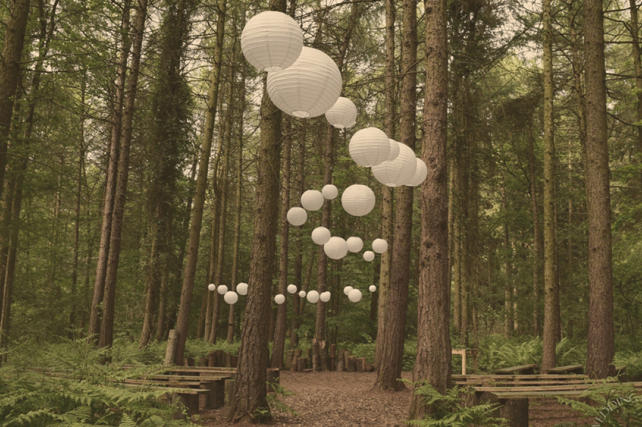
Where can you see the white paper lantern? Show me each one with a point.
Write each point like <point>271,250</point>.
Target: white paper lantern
<point>309,87</point>
<point>372,288</point>
<point>369,147</point>
<point>336,248</point>
<point>313,297</point>
<point>394,150</point>
<point>330,192</point>
<point>420,174</point>
<point>321,235</point>
<point>358,200</point>
<point>355,244</point>
<point>241,288</point>
<point>347,289</point>
<point>368,256</point>
<point>325,296</point>
<point>291,289</point>
<point>379,246</point>
<point>343,114</point>
<point>399,171</point>
<point>211,287</point>
<point>221,289</point>
<point>297,216</point>
<point>301,294</point>
<point>355,295</point>
<point>312,200</point>
<point>279,299</point>
<point>271,41</point>
<point>231,297</point>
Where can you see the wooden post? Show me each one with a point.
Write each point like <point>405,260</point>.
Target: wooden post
<point>229,391</point>
<point>361,364</point>
<point>346,358</point>
<point>289,355</point>
<point>171,347</point>
<point>219,358</point>
<point>340,360</point>
<point>211,359</point>
<point>301,364</point>
<point>202,361</point>
<point>189,361</point>
<point>228,359</point>
<point>234,361</point>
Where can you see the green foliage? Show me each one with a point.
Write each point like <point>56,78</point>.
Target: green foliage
<point>367,350</point>
<point>633,363</point>
<point>615,405</point>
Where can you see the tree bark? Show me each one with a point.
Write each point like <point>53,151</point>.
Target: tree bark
<point>537,241</point>
<point>297,303</point>
<point>637,63</point>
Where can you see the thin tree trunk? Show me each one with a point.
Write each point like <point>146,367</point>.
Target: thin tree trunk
<point>508,286</point>
<point>537,241</point>
<point>297,304</point>
<point>637,63</point>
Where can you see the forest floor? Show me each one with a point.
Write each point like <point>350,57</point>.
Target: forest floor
<point>328,399</point>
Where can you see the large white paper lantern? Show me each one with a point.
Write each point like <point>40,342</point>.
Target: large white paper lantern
<point>358,200</point>
<point>420,174</point>
<point>312,200</point>
<point>301,294</point>
<point>221,289</point>
<point>369,147</point>
<point>325,296</point>
<point>271,41</point>
<point>309,87</point>
<point>297,216</point>
<point>313,297</point>
<point>321,235</point>
<point>368,256</point>
<point>394,150</point>
<point>355,295</point>
<point>241,288</point>
<point>347,290</point>
<point>291,289</point>
<point>372,288</point>
<point>355,244</point>
<point>379,246</point>
<point>211,287</point>
<point>398,171</point>
<point>343,114</point>
<point>336,248</point>
<point>329,192</point>
<point>279,299</point>
<point>231,297</point>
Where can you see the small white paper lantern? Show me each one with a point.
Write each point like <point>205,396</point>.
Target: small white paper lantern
<point>297,216</point>
<point>312,200</point>
<point>379,246</point>
<point>347,290</point>
<point>241,288</point>
<point>336,248</point>
<point>330,192</point>
<point>301,294</point>
<point>309,87</point>
<point>372,288</point>
<point>358,200</point>
<point>279,299</point>
<point>369,147</point>
<point>420,174</point>
<point>398,171</point>
<point>325,296</point>
<point>211,287</point>
<point>221,289</point>
<point>343,114</point>
<point>394,150</point>
<point>231,297</point>
<point>271,41</point>
<point>291,289</point>
<point>368,256</point>
<point>321,235</point>
<point>355,295</point>
<point>313,297</point>
<point>355,244</point>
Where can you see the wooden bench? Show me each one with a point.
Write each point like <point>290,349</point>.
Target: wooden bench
<point>521,369</point>
<point>188,397</point>
<point>568,369</point>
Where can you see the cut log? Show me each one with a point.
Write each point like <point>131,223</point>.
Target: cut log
<point>340,361</point>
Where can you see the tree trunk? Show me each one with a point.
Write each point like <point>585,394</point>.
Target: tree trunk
<point>297,304</point>
<point>601,329</point>
<point>637,62</point>
<point>508,286</point>
<point>537,241</point>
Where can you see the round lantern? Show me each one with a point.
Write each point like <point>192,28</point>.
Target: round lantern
<point>372,288</point>
<point>321,235</point>
<point>291,289</point>
<point>297,216</point>
<point>368,255</point>
<point>369,147</point>
<point>336,248</point>
<point>279,299</point>
<point>394,150</point>
<point>355,244</point>
<point>313,297</point>
<point>398,171</point>
<point>309,87</point>
<point>379,246</point>
<point>420,174</point>
<point>231,297</point>
<point>358,200</point>
<point>271,41</point>
<point>211,287</point>
<point>301,294</point>
<point>330,192</point>
<point>343,114</point>
<point>241,288</point>
<point>354,295</point>
<point>312,200</point>
<point>222,289</point>
<point>347,290</point>
<point>325,296</point>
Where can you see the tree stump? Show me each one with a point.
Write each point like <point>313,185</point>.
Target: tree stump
<point>189,361</point>
<point>340,361</point>
<point>302,363</point>
<point>352,364</point>
<point>229,391</point>
<point>361,364</point>
<point>346,359</point>
<point>289,355</point>
<point>202,361</point>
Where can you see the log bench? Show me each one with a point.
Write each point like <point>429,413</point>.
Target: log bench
<point>188,397</point>
<point>521,370</point>
<point>568,369</point>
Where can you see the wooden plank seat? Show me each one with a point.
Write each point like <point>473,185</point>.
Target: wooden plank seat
<point>568,369</point>
<point>521,369</point>
<point>518,377</point>
<point>490,383</point>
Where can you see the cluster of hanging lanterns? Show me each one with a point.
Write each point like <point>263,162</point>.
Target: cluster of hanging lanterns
<point>229,296</point>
